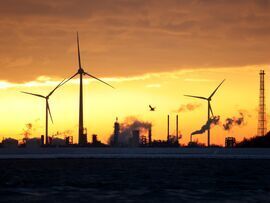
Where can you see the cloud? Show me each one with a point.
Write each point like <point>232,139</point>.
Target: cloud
<point>188,107</point>
<point>128,38</point>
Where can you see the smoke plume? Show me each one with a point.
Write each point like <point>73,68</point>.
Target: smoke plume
<point>207,126</point>
<point>230,122</point>
<point>30,128</point>
<point>188,107</point>
<point>126,128</point>
<point>62,134</point>
<point>27,131</point>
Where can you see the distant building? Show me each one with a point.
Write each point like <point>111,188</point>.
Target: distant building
<point>58,142</point>
<point>83,138</point>
<point>230,142</point>
<point>135,140</point>
<point>10,143</point>
<point>94,139</point>
<point>69,140</point>
<point>33,143</point>
<point>42,139</point>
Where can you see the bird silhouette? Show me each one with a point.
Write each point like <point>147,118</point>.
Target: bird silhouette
<point>152,108</point>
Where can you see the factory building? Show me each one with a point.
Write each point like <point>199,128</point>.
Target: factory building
<point>33,142</point>
<point>135,140</point>
<point>230,142</point>
<point>57,142</point>
<point>10,143</point>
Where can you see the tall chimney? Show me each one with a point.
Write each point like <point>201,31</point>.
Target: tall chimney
<point>116,133</point>
<point>177,128</point>
<point>168,129</point>
<point>150,136</point>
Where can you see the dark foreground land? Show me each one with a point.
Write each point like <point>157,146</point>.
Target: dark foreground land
<point>121,180</point>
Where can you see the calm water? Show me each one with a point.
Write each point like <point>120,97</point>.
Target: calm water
<point>158,180</point>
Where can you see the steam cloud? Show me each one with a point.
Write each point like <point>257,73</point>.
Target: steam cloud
<point>126,128</point>
<point>230,122</point>
<point>188,107</point>
<point>62,133</point>
<point>207,126</point>
<point>27,131</point>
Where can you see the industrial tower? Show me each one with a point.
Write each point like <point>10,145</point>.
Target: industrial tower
<point>262,114</point>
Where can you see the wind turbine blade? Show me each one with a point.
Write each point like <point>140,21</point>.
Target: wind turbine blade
<point>37,95</point>
<point>79,54</point>
<point>49,110</point>
<point>69,79</point>
<point>98,79</point>
<point>60,84</point>
<point>211,110</point>
<point>198,97</point>
<point>215,90</point>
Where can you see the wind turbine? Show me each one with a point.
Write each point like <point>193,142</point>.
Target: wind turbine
<point>48,110</point>
<point>81,73</point>
<point>209,109</point>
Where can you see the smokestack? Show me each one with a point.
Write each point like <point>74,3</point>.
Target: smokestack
<point>168,129</point>
<point>150,136</point>
<point>42,140</point>
<point>177,128</point>
<point>116,132</point>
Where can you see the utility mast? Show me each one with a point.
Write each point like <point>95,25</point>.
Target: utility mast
<point>262,113</point>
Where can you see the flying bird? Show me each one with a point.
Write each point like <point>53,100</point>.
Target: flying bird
<point>152,108</point>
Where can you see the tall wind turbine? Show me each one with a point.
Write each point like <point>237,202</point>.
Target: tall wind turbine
<point>48,110</point>
<point>81,73</point>
<point>209,108</point>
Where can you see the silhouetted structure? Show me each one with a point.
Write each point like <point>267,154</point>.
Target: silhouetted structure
<point>47,110</point>
<point>150,136</point>
<point>42,140</point>
<point>168,128</point>
<point>135,142</point>
<point>177,137</point>
<point>116,132</point>
<point>81,73</point>
<point>209,109</point>
<point>256,142</point>
<point>10,143</point>
<point>195,144</point>
<point>262,114</point>
<point>69,140</point>
<point>230,142</point>
<point>83,137</point>
<point>34,142</point>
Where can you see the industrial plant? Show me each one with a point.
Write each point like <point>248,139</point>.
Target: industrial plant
<point>136,133</point>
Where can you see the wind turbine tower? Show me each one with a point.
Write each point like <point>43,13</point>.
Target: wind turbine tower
<point>81,72</point>
<point>209,108</point>
<point>262,114</point>
<point>47,108</point>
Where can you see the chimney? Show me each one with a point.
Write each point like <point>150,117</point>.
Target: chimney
<point>168,129</point>
<point>177,128</point>
<point>116,132</point>
<point>150,136</point>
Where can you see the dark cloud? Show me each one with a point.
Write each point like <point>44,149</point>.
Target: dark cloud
<point>127,37</point>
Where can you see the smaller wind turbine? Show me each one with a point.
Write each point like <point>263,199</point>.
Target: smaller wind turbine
<point>48,110</point>
<point>209,110</point>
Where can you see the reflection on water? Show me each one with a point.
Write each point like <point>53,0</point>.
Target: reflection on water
<point>71,180</point>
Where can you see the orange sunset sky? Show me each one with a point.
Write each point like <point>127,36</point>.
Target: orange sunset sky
<point>151,51</point>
